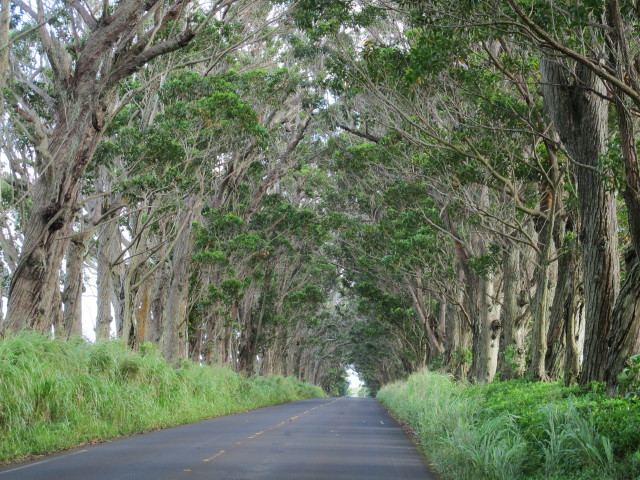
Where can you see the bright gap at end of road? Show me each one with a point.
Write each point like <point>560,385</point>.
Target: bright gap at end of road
<point>355,382</point>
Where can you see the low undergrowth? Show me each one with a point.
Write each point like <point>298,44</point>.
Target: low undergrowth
<point>519,430</point>
<point>57,394</point>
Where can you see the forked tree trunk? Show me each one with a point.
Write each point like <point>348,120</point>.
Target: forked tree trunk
<point>35,281</point>
<point>412,287</point>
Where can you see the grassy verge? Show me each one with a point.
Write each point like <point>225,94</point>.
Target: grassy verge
<point>56,394</point>
<point>519,430</point>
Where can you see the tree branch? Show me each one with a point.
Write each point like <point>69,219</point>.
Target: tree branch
<point>85,14</point>
<point>360,134</point>
<point>127,66</point>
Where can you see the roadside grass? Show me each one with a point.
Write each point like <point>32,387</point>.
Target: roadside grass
<point>519,430</point>
<point>57,394</point>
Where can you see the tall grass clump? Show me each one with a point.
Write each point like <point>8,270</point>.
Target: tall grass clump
<point>519,430</point>
<point>449,424</point>
<point>56,394</point>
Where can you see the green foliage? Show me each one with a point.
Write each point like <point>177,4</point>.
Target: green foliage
<point>629,379</point>
<point>518,429</point>
<point>432,51</point>
<point>57,394</point>
<point>488,263</point>
<point>209,257</point>
<point>511,359</point>
<point>308,294</point>
<point>322,17</point>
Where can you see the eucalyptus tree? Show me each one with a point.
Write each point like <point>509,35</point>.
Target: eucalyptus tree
<point>585,59</point>
<point>595,41</point>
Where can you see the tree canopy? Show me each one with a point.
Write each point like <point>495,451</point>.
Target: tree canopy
<point>298,187</point>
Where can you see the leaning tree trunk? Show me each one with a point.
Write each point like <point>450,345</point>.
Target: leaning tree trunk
<point>412,287</point>
<point>36,280</point>
<point>624,339</point>
<point>580,113</point>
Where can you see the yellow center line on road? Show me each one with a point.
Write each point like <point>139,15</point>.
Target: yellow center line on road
<point>222,452</point>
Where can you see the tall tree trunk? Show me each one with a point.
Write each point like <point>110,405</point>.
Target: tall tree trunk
<point>487,343</point>
<point>253,321</point>
<point>160,290</point>
<point>556,335</point>
<point>459,317</point>
<point>486,312</point>
<point>108,250</point>
<point>415,293</point>
<point>624,337</point>
<point>174,323</point>
<point>579,111</point>
<point>4,48</point>
<point>513,351</point>
<point>36,279</point>
<point>72,296</point>
<point>571,314</point>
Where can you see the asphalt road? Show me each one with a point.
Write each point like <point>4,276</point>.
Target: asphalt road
<point>322,438</point>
